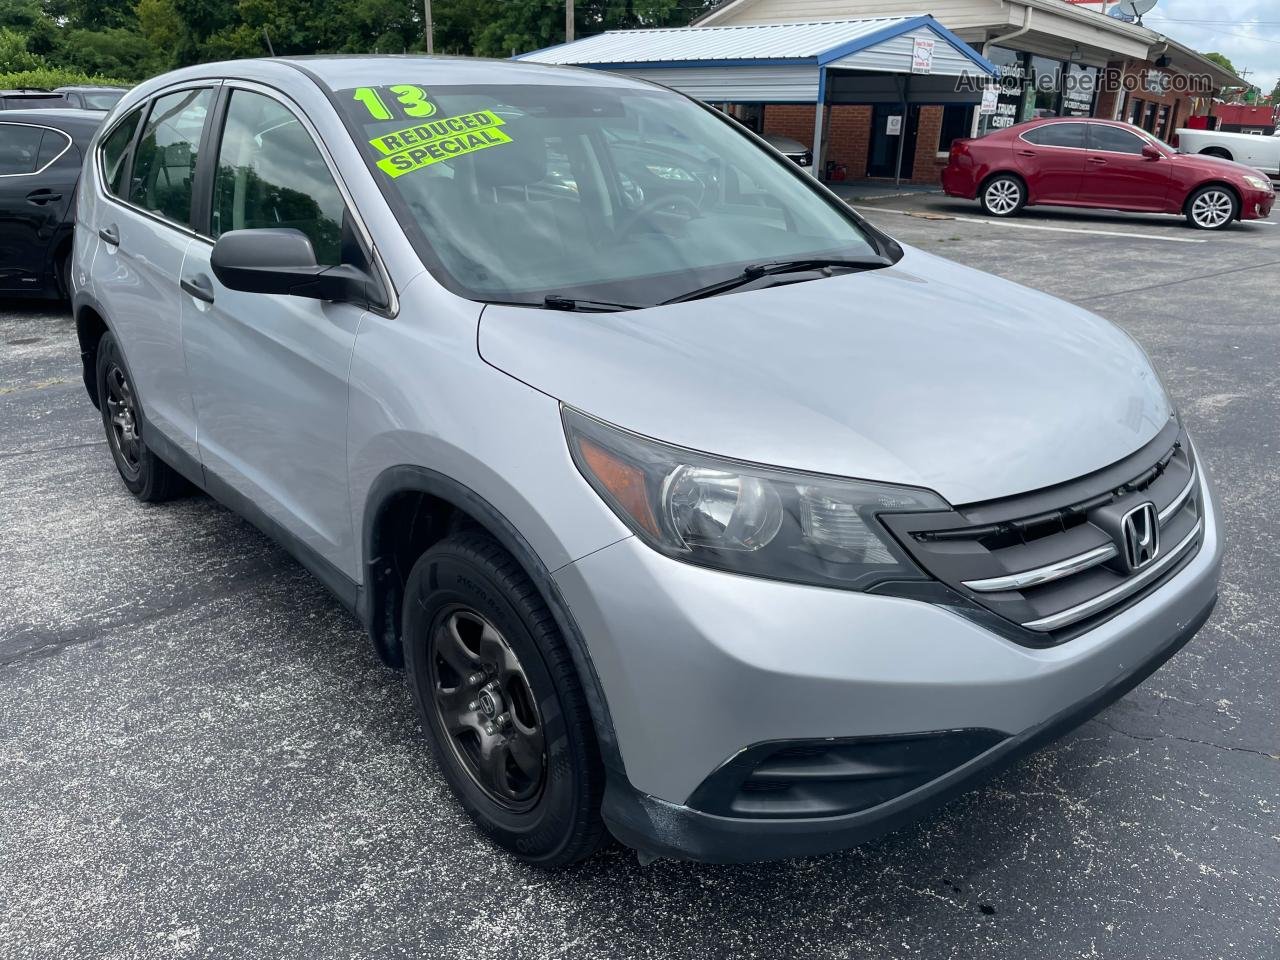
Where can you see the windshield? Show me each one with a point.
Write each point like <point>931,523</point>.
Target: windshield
<point>104,100</point>
<point>513,193</point>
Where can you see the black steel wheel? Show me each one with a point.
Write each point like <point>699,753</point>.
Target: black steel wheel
<point>145,475</point>
<point>501,701</point>
<point>483,701</point>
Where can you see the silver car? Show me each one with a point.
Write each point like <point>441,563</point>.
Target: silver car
<point>700,512</point>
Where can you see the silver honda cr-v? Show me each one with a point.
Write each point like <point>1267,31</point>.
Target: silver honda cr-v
<point>700,511</point>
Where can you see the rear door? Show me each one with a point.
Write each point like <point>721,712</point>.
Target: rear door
<point>1118,175</point>
<point>144,230</point>
<point>269,372</point>
<point>1051,159</point>
<point>38,167</point>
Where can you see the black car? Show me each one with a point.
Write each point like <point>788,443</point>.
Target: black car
<point>33,100</point>
<point>92,98</point>
<point>41,152</point>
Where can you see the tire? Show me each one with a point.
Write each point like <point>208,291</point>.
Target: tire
<point>64,275</point>
<point>469,606</point>
<point>145,475</point>
<point>1004,195</point>
<point>1213,207</point>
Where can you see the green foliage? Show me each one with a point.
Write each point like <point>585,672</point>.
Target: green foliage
<point>135,39</point>
<point>1221,61</point>
<point>47,78</point>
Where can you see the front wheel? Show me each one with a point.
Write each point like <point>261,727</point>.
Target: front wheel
<point>1212,208</point>
<point>1003,196</point>
<point>501,700</point>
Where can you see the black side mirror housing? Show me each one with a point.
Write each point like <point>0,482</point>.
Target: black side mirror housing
<point>282,261</point>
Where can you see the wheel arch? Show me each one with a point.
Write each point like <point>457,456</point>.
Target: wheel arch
<point>1014,174</point>
<point>1224,184</point>
<point>1220,152</point>
<point>91,327</point>
<point>407,510</point>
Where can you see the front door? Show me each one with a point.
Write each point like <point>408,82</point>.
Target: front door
<point>890,126</point>
<point>268,372</point>
<point>38,170</point>
<point>1117,174</point>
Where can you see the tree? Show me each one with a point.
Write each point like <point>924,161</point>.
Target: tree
<point>1221,60</point>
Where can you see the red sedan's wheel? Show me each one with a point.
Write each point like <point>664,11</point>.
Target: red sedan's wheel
<point>1212,208</point>
<point>1003,196</point>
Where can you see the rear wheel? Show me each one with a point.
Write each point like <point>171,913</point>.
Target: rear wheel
<point>64,274</point>
<point>501,700</point>
<point>1003,196</point>
<point>1212,208</point>
<point>147,476</point>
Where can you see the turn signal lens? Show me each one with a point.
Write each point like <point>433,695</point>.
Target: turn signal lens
<point>745,518</point>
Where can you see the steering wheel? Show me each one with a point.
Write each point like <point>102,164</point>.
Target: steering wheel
<point>653,206</point>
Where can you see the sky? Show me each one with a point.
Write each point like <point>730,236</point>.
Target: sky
<point>1246,31</point>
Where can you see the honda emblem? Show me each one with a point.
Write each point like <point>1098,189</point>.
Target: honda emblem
<point>1140,529</point>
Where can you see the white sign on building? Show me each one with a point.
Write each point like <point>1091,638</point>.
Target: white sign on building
<point>922,54</point>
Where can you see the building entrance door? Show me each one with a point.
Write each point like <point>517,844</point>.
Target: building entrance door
<point>888,126</point>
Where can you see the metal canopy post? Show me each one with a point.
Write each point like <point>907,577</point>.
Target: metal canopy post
<point>904,92</point>
<point>819,111</point>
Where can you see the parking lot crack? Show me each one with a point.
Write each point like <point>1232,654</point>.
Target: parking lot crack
<point>1170,283</point>
<point>1203,743</point>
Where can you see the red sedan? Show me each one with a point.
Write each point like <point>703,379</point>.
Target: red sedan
<point>1103,164</point>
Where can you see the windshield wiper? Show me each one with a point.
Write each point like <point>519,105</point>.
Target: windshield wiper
<point>554,302</point>
<point>778,267</point>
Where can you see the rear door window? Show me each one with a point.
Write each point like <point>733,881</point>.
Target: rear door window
<point>114,153</point>
<point>19,148</point>
<point>1057,135</point>
<point>164,162</point>
<point>52,145</point>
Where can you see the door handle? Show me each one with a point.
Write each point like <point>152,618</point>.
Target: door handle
<point>42,196</point>
<point>111,234</point>
<point>1097,160</point>
<point>1027,153</point>
<point>199,287</point>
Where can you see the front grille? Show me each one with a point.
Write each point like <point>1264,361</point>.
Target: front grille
<point>1052,563</point>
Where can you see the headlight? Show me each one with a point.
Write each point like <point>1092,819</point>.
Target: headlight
<point>745,518</point>
<point>1258,183</point>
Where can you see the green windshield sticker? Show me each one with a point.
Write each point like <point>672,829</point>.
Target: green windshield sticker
<point>426,143</point>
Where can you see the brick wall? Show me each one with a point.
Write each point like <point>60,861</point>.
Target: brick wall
<point>1180,103</point>
<point>847,135</point>
<point>927,168</point>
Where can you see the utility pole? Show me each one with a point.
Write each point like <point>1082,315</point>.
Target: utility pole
<point>568,21</point>
<point>426,25</point>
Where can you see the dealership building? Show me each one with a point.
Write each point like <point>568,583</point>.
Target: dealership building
<point>878,89</point>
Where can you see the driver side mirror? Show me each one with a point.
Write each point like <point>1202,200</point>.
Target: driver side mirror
<point>1152,152</point>
<point>282,261</point>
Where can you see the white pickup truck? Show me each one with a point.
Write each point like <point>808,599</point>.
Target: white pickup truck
<point>1256,151</point>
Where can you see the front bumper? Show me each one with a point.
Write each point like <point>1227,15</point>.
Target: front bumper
<point>699,665</point>
<point>1256,204</point>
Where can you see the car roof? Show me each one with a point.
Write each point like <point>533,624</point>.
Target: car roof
<point>347,71</point>
<point>88,88</point>
<point>31,92</point>
<point>74,122</point>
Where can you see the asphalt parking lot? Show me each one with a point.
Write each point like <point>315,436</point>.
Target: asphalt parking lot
<point>200,755</point>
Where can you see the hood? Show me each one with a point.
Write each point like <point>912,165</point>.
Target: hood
<point>926,373</point>
<point>1216,166</point>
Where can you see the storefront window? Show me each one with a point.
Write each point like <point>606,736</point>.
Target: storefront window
<point>1137,109</point>
<point>957,120</point>
<point>1046,77</point>
<point>1079,90</point>
<point>1014,103</point>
